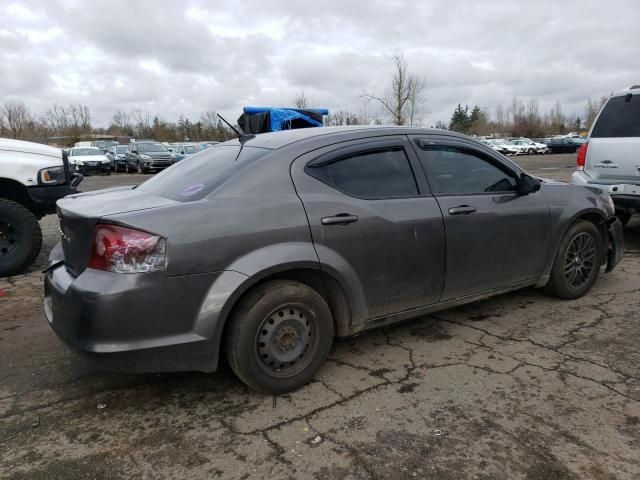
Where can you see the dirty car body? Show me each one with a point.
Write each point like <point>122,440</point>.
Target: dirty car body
<point>294,207</point>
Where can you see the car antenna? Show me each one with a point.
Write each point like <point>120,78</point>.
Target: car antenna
<point>243,137</point>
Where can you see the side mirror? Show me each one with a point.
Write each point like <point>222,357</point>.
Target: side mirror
<point>527,184</point>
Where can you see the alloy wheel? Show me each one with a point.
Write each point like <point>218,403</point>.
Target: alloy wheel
<point>579,259</point>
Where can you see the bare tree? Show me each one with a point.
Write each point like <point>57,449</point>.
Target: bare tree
<point>142,127</point>
<point>57,119</point>
<point>593,108</point>
<point>122,120</point>
<point>16,116</point>
<point>416,98</point>
<point>402,99</point>
<point>301,100</point>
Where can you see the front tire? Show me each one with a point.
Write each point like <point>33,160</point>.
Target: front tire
<point>577,263</point>
<point>20,238</point>
<point>279,335</point>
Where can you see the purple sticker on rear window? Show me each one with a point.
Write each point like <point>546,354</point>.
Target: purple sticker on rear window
<point>192,190</point>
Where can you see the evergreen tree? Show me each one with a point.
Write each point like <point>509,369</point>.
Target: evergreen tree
<point>460,120</point>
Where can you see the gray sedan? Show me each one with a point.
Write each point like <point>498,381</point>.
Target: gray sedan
<point>265,248</point>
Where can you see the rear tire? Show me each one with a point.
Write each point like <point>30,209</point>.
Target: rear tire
<point>577,263</point>
<point>20,238</point>
<point>278,336</point>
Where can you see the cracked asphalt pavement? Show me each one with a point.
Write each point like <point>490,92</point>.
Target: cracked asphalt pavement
<point>517,386</point>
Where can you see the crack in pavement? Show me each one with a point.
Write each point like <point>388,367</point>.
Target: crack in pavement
<point>556,369</point>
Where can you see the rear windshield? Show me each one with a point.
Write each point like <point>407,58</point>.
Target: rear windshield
<point>198,175</point>
<point>619,118</point>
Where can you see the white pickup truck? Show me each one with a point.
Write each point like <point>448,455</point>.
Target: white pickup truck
<point>32,178</point>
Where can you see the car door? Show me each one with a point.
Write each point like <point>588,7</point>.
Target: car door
<point>495,236</point>
<point>374,221</point>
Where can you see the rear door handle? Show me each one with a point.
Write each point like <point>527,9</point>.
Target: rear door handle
<point>462,210</point>
<point>339,219</point>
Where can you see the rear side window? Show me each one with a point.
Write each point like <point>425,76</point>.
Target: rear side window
<point>373,174</point>
<point>198,175</point>
<point>619,118</point>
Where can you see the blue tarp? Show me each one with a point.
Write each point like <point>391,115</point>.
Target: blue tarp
<point>280,118</point>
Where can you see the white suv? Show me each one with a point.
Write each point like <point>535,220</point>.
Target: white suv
<point>32,178</point>
<point>610,159</point>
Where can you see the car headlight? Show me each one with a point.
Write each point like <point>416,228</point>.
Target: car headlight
<point>145,157</point>
<point>79,162</point>
<point>51,176</point>
<point>106,160</point>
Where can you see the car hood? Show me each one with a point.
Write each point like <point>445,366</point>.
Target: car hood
<point>11,145</point>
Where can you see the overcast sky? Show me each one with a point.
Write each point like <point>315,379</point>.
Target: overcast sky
<point>172,57</point>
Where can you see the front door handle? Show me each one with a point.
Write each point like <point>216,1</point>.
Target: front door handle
<point>462,210</point>
<point>339,219</point>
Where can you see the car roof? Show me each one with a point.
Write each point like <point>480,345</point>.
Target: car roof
<point>633,89</point>
<point>275,140</point>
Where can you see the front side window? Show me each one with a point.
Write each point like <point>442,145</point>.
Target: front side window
<point>457,171</point>
<point>382,173</point>
<point>620,117</point>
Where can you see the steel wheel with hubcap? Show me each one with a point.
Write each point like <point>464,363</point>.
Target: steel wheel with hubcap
<point>577,261</point>
<point>279,335</point>
<point>283,341</point>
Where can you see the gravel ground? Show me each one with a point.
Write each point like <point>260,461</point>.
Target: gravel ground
<point>517,386</point>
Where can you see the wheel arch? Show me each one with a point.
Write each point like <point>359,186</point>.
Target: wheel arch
<point>593,215</point>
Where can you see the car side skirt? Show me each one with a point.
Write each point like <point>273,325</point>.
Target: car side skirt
<point>417,312</point>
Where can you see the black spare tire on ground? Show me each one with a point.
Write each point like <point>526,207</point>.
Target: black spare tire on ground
<point>279,335</point>
<point>20,238</point>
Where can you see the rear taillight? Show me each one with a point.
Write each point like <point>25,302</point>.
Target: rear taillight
<point>125,250</point>
<point>582,156</point>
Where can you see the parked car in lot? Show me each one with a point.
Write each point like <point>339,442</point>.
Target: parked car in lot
<point>103,144</point>
<point>205,145</point>
<point>267,247</point>
<point>147,156</point>
<point>183,150</point>
<point>610,159</point>
<point>529,146</point>
<point>117,156</point>
<point>563,145</point>
<point>504,147</point>
<point>32,177</point>
<point>89,161</point>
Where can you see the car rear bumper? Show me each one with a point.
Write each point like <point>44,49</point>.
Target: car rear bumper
<point>131,322</point>
<point>616,244</point>
<point>624,195</point>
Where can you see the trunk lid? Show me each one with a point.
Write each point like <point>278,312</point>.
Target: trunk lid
<point>79,214</point>
<point>614,159</point>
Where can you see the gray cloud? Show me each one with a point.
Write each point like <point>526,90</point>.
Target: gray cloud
<point>172,57</point>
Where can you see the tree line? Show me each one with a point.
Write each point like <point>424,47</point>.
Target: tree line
<point>67,124</point>
<point>520,119</point>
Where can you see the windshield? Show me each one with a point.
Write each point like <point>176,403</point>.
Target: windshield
<point>85,151</point>
<point>151,147</point>
<point>619,118</point>
<point>197,176</point>
<point>121,149</point>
